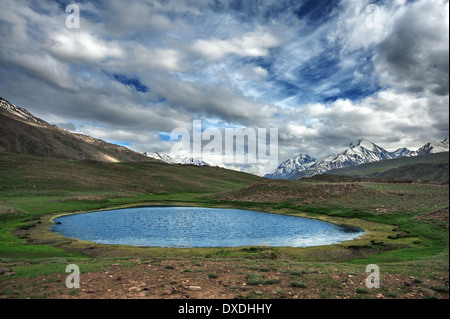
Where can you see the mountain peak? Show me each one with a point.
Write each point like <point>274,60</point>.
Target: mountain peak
<point>434,147</point>
<point>365,143</point>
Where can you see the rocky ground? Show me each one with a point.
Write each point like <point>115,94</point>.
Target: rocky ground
<point>188,279</point>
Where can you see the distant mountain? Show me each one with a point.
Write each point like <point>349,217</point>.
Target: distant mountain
<point>179,159</point>
<point>291,167</point>
<point>431,167</point>
<point>23,133</point>
<point>360,152</point>
<point>403,152</point>
<point>434,147</point>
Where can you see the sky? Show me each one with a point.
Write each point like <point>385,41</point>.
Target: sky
<point>325,73</point>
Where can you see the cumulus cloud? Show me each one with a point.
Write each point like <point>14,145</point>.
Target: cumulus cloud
<point>83,47</point>
<point>415,55</point>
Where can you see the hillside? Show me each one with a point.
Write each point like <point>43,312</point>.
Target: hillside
<point>23,133</point>
<point>25,174</point>
<point>432,167</point>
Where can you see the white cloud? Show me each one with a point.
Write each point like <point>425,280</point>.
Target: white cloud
<point>82,46</point>
<point>252,44</point>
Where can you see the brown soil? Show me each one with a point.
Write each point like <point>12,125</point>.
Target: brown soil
<point>188,279</point>
<point>439,216</point>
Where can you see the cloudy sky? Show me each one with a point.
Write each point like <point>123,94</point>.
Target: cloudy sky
<point>324,72</point>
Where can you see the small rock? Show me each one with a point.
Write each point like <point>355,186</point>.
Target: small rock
<point>408,283</point>
<point>194,288</point>
<point>257,292</point>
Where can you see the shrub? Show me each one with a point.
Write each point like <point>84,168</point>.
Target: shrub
<point>360,290</point>
<point>297,284</point>
<point>272,281</point>
<point>255,279</point>
<point>441,289</point>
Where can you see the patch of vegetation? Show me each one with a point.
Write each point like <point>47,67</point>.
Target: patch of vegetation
<point>361,290</point>
<point>255,279</point>
<point>440,289</point>
<point>297,284</point>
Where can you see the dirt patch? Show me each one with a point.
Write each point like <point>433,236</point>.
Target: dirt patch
<point>9,210</point>
<point>191,279</point>
<point>279,191</point>
<point>439,216</point>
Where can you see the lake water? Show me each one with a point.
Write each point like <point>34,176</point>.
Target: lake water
<point>200,227</point>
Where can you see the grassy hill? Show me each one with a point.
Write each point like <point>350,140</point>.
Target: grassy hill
<point>432,167</point>
<point>25,174</point>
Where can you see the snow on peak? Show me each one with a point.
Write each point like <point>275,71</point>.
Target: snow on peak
<point>183,159</point>
<point>434,147</point>
<point>365,144</point>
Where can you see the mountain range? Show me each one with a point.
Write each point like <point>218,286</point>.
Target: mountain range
<point>303,165</point>
<point>178,159</point>
<point>23,133</point>
<point>360,152</point>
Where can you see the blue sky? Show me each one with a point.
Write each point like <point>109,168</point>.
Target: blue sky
<point>325,73</point>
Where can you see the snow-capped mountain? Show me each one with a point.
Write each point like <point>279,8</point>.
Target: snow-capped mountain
<point>402,152</point>
<point>434,147</point>
<point>177,159</point>
<point>291,166</point>
<point>362,151</point>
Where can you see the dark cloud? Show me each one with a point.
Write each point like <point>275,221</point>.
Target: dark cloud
<point>415,55</point>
